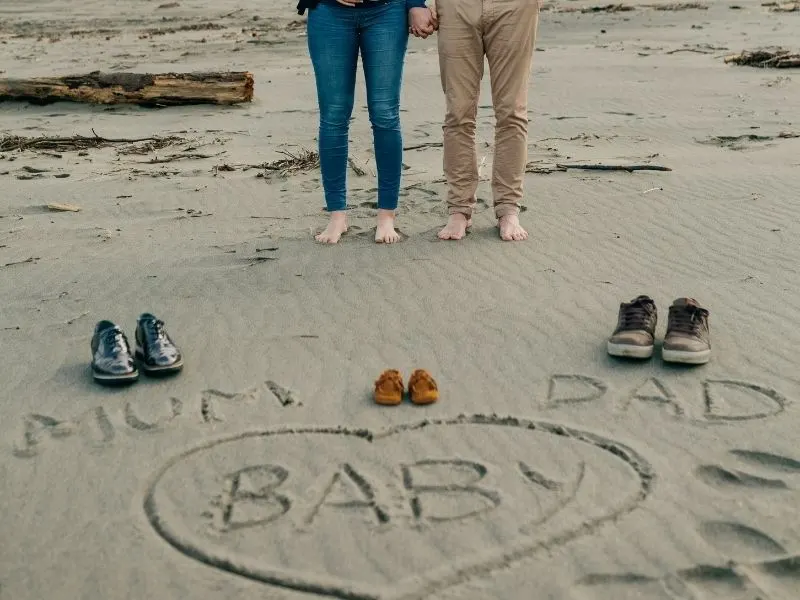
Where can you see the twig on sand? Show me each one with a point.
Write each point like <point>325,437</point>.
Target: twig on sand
<point>628,168</point>
<point>776,59</point>
<point>539,168</point>
<point>22,262</point>
<point>356,169</point>
<point>230,14</point>
<point>148,146</point>
<point>606,8</point>
<point>679,6</point>
<point>610,8</point>
<point>181,156</point>
<point>255,260</point>
<point>424,145</point>
<point>78,142</point>
<point>738,142</point>
<point>695,50</point>
<point>73,319</point>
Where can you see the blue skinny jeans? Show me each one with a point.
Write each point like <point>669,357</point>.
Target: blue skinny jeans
<point>336,35</point>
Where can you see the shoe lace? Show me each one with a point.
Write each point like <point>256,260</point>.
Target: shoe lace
<point>636,316</point>
<point>686,320</point>
<point>115,340</point>
<point>155,329</point>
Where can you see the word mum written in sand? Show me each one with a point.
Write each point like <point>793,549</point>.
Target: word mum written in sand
<point>711,401</point>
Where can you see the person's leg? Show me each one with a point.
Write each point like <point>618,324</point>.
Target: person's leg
<point>461,55</point>
<point>383,41</point>
<point>510,38</point>
<point>333,46</point>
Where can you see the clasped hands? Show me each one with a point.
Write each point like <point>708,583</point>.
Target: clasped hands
<point>422,21</point>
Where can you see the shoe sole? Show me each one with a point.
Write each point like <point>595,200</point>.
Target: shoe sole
<point>686,358</point>
<point>112,379</point>
<point>630,351</point>
<point>388,400</point>
<point>178,366</point>
<point>425,399</point>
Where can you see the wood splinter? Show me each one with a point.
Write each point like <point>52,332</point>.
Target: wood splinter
<point>154,90</point>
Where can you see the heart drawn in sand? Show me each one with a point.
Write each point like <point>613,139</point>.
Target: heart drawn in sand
<point>392,514</point>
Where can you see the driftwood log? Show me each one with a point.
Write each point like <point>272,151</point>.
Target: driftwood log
<point>164,89</point>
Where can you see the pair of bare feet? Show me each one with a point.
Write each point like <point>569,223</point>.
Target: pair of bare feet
<point>337,226</point>
<point>510,228</point>
<point>456,228</point>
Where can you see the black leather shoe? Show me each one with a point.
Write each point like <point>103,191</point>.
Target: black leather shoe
<point>112,361</point>
<point>155,351</point>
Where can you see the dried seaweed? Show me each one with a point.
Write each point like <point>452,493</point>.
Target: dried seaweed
<point>9,143</point>
<point>766,59</point>
<point>603,8</point>
<point>679,6</point>
<point>302,161</point>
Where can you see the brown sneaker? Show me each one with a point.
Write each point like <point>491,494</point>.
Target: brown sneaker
<point>634,336</point>
<point>389,388</point>
<point>688,339</point>
<point>422,387</point>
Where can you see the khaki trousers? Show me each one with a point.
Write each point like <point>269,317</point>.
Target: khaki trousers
<point>503,31</point>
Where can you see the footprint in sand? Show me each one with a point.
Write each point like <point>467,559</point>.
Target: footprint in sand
<point>759,471</point>
<point>739,542</point>
<point>756,567</point>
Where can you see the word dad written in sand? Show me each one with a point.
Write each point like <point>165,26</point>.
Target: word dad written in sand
<point>720,400</point>
<point>395,513</point>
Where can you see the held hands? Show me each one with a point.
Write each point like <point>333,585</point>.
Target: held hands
<point>422,22</point>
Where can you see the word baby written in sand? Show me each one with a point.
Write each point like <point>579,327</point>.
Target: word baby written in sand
<point>718,401</point>
<point>316,509</point>
<point>431,490</point>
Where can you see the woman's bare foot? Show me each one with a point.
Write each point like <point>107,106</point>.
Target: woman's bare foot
<point>385,233</point>
<point>511,230</point>
<point>336,227</point>
<point>456,227</point>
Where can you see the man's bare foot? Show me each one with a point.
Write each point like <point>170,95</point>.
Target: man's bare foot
<point>456,227</point>
<point>511,230</point>
<point>385,233</point>
<point>336,227</point>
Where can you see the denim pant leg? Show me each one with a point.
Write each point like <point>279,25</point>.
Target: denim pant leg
<point>333,46</point>
<point>384,40</point>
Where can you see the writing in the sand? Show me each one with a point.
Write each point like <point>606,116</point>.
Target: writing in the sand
<point>434,491</point>
<point>716,401</point>
<point>719,400</point>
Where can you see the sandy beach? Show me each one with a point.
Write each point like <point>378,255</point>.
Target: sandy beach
<point>547,470</point>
